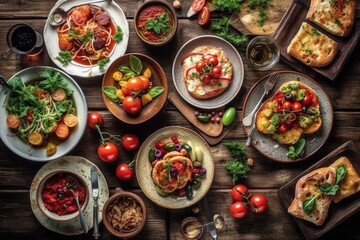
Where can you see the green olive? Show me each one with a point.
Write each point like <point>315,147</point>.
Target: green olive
<point>229,116</point>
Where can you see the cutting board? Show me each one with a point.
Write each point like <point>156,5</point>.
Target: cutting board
<point>213,133</point>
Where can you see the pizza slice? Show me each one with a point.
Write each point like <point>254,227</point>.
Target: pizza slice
<point>312,47</point>
<point>335,16</point>
<point>309,202</point>
<point>293,110</point>
<point>351,182</point>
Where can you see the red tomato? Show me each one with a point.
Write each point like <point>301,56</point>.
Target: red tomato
<point>204,16</point>
<point>130,142</point>
<point>282,128</point>
<point>213,61</point>
<point>197,5</point>
<point>108,152</point>
<point>207,78</point>
<point>131,104</point>
<point>30,115</point>
<point>174,139</point>
<point>123,172</point>
<point>238,209</point>
<point>41,93</point>
<point>199,66</point>
<point>287,105</point>
<point>238,192</point>
<point>307,99</point>
<point>296,106</point>
<point>146,82</point>
<point>259,203</point>
<point>62,131</point>
<point>13,121</point>
<point>135,84</point>
<point>95,118</point>
<point>216,72</point>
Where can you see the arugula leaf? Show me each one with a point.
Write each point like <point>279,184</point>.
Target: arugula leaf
<point>64,57</point>
<point>309,204</point>
<point>53,80</point>
<point>118,35</point>
<point>237,167</point>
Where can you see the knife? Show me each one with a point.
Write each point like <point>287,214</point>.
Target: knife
<point>95,195</point>
<point>209,219</point>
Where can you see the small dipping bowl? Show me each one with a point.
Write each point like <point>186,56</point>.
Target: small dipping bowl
<point>188,229</point>
<point>263,52</point>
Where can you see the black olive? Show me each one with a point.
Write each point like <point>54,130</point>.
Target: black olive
<point>173,172</point>
<point>288,96</point>
<point>60,196</point>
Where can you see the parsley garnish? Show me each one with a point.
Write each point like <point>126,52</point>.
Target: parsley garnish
<point>227,5</point>
<point>118,35</point>
<point>222,29</point>
<point>159,25</point>
<point>64,57</point>
<point>237,167</point>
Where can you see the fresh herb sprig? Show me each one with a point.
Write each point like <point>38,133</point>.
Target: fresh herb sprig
<point>237,167</point>
<point>159,25</point>
<point>102,63</point>
<point>118,35</point>
<point>222,29</point>
<point>261,6</point>
<point>227,5</point>
<point>64,57</point>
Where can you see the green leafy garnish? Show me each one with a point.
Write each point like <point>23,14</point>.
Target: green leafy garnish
<point>110,91</point>
<point>237,167</point>
<point>135,64</point>
<point>222,29</point>
<point>83,39</point>
<point>156,91</point>
<point>296,150</point>
<point>340,173</point>
<point>64,57</point>
<point>118,35</point>
<point>309,204</point>
<point>227,5</point>
<point>261,6</point>
<point>159,25</point>
<point>330,189</point>
<point>102,63</point>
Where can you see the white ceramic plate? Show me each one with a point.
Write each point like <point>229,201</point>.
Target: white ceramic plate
<point>270,148</point>
<point>143,168</point>
<point>51,38</point>
<point>238,73</point>
<point>82,167</point>
<point>39,154</point>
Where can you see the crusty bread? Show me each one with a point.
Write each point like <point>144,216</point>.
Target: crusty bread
<point>308,186</point>
<point>335,16</point>
<point>312,47</point>
<point>196,83</point>
<point>293,134</point>
<point>350,184</point>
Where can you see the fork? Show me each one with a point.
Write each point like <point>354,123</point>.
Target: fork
<point>268,87</point>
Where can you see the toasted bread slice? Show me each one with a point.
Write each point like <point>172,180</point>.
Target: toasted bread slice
<point>304,122</point>
<point>350,184</point>
<point>306,188</point>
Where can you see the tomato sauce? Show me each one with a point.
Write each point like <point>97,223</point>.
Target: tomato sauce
<point>153,12</point>
<point>58,193</point>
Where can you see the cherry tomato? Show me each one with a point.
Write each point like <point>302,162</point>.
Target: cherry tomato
<point>95,118</point>
<point>130,142</point>
<point>131,104</point>
<point>204,16</point>
<point>238,192</point>
<point>259,203</point>
<point>30,115</point>
<point>207,78</point>
<point>238,209</point>
<point>41,94</point>
<point>295,125</point>
<point>212,61</point>
<point>108,152</point>
<point>135,84</point>
<point>199,66</point>
<point>126,91</point>
<point>216,72</point>
<point>146,82</point>
<point>296,106</point>
<point>282,128</point>
<point>123,172</point>
<point>13,121</point>
<point>307,99</point>
<point>287,105</point>
<point>62,131</point>
<point>197,5</point>
<point>174,139</point>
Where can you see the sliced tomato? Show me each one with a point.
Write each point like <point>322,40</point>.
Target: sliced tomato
<point>62,131</point>
<point>197,5</point>
<point>204,16</point>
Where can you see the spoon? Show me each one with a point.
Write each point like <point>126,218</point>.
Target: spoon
<point>4,83</point>
<point>59,15</point>
<point>218,222</point>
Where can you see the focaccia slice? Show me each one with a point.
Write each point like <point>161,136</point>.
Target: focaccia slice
<point>306,188</point>
<point>312,47</point>
<point>350,184</point>
<point>273,114</point>
<point>202,84</point>
<point>335,16</point>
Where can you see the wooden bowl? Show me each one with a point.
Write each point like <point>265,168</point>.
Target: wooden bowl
<point>149,36</point>
<point>53,215</point>
<point>158,78</point>
<point>120,195</point>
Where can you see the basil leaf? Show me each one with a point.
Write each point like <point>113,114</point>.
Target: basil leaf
<point>299,146</point>
<point>135,64</point>
<point>125,69</point>
<point>340,173</point>
<point>110,92</point>
<point>329,189</point>
<point>155,91</point>
<point>128,75</point>
<point>309,204</point>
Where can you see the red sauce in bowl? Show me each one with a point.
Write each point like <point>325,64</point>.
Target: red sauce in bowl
<point>152,13</point>
<point>58,193</point>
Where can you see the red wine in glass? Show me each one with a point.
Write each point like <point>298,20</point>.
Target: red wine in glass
<point>23,39</point>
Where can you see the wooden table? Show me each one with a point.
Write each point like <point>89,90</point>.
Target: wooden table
<point>17,220</point>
